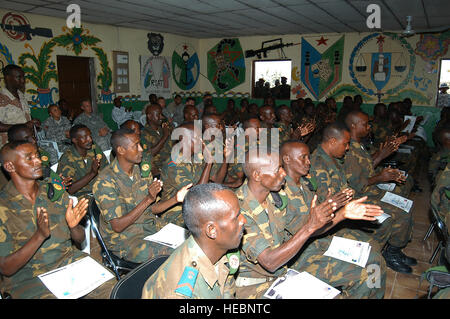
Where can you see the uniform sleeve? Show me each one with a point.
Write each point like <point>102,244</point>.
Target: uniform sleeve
<point>6,242</point>
<point>357,176</point>
<point>323,180</point>
<point>108,200</point>
<point>253,242</point>
<point>65,167</point>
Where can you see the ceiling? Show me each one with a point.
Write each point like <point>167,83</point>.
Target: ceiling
<point>232,18</point>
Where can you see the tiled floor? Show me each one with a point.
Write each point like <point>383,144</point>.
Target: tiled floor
<point>406,286</point>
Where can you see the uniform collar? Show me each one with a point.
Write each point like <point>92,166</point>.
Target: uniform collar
<point>122,175</point>
<point>204,265</point>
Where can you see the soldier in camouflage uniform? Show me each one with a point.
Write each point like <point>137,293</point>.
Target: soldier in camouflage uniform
<point>359,167</point>
<point>266,250</point>
<point>186,167</point>
<point>203,256</point>
<point>57,129</point>
<point>36,230</point>
<point>146,153</point>
<point>328,174</point>
<point>101,133</point>
<point>125,193</point>
<point>301,212</point>
<point>81,161</point>
<point>440,197</point>
<point>156,135</point>
<point>441,158</point>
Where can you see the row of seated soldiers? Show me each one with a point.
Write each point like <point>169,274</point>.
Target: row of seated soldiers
<point>294,198</point>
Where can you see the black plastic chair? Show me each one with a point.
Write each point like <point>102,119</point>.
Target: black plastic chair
<point>116,264</point>
<point>442,234</point>
<point>130,286</point>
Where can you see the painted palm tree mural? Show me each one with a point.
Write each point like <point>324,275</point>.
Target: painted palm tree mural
<point>40,70</point>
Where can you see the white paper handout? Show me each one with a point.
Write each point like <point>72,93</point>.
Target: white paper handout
<point>382,217</point>
<point>386,186</point>
<point>76,279</point>
<point>295,285</point>
<point>410,126</point>
<point>398,201</point>
<point>404,150</point>
<point>349,250</point>
<point>170,235</point>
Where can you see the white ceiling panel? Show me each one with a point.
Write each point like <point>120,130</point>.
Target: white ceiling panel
<point>216,18</point>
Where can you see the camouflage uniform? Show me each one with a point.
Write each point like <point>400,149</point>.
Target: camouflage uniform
<point>440,197</point>
<point>177,175</point>
<point>209,283</point>
<point>285,131</point>
<point>380,130</point>
<point>151,137</point>
<point>264,229</point>
<point>18,223</point>
<point>71,164</point>
<point>358,167</point>
<point>94,122</point>
<point>327,172</point>
<point>116,195</point>
<point>437,163</point>
<point>55,131</point>
<point>350,277</point>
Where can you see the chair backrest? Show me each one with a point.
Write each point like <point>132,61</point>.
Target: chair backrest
<point>443,229</point>
<point>130,286</point>
<point>94,217</point>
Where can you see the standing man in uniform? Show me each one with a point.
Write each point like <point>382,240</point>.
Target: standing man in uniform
<point>101,134</point>
<point>56,128</point>
<point>201,268</point>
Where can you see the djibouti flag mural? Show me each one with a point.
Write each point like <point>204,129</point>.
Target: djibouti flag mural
<point>321,71</point>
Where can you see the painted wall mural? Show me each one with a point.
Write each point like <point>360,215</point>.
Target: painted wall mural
<point>155,76</point>
<point>226,65</point>
<point>432,46</point>
<point>185,66</point>
<point>40,70</point>
<point>17,27</point>
<point>382,64</point>
<point>321,69</point>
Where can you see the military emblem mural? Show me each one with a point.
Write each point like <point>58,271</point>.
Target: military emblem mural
<point>382,64</point>
<point>226,65</point>
<point>321,65</point>
<point>185,66</point>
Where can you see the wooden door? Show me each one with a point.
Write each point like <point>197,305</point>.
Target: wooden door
<point>74,80</point>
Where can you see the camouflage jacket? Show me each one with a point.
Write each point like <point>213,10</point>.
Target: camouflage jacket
<point>299,204</point>
<point>116,195</point>
<point>151,137</point>
<point>358,167</point>
<point>95,123</point>
<point>438,162</point>
<point>285,131</point>
<point>18,223</point>
<point>71,164</point>
<point>208,283</point>
<point>264,229</point>
<point>440,197</point>
<point>381,130</point>
<point>327,172</point>
<point>55,131</point>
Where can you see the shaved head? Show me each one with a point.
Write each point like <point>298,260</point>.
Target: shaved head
<point>335,130</point>
<point>353,118</point>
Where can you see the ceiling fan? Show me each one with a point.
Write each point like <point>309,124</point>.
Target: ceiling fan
<point>408,32</point>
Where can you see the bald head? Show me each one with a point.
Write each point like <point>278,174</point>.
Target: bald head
<point>257,158</point>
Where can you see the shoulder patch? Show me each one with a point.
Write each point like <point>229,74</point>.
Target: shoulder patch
<point>187,282</point>
<point>172,164</point>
